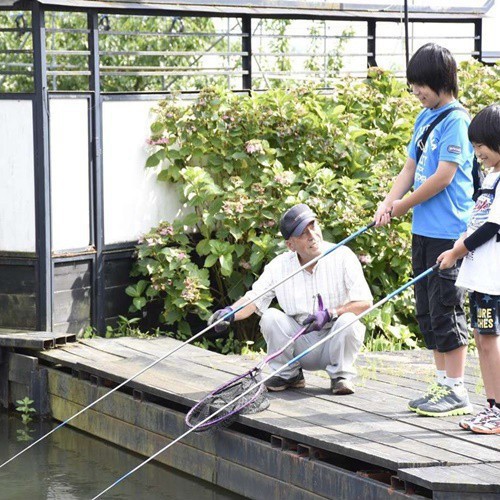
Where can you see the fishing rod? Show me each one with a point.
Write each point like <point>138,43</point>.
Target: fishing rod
<point>194,337</point>
<point>293,360</point>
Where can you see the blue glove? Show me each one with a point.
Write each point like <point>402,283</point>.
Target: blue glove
<point>319,319</point>
<point>223,325</point>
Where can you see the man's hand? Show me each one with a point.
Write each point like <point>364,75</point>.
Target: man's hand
<point>319,319</point>
<point>223,325</point>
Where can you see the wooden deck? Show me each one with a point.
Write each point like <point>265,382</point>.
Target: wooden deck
<point>308,444</point>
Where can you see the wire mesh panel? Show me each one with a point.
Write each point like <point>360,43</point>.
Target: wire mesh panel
<point>287,51</point>
<point>67,49</point>
<point>143,53</point>
<point>16,52</point>
<point>391,42</point>
<point>148,53</point>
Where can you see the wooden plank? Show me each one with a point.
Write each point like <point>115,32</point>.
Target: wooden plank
<point>21,367</point>
<point>18,310</point>
<point>469,479</point>
<point>136,439</point>
<point>17,279</point>
<point>162,346</point>
<point>34,340</point>
<point>84,352</point>
<point>72,275</point>
<point>110,346</point>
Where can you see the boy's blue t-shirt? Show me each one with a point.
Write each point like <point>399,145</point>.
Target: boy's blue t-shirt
<point>445,215</point>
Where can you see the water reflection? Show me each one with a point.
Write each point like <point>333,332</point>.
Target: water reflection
<point>71,465</point>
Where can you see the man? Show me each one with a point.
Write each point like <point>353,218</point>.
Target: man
<point>338,278</point>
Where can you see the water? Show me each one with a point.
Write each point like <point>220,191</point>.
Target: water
<point>71,465</point>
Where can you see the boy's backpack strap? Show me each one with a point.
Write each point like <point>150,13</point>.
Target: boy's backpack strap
<point>491,190</point>
<point>421,142</point>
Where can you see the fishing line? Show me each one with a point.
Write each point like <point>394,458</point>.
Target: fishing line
<point>194,337</point>
<point>293,360</point>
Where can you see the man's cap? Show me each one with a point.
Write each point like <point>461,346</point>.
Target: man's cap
<point>295,220</point>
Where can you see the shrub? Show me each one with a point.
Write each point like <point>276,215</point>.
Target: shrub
<point>240,161</point>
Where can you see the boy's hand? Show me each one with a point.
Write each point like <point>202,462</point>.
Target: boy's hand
<point>447,259</point>
<point>382,216</point>
<point>399,208</point>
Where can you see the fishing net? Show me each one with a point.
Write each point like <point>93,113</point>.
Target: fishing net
<point>243,394</point>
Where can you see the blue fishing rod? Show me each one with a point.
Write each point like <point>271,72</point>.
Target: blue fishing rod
<point>194,337</point>
<point>293,360</point>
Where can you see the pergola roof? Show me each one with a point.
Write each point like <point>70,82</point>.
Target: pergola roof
<point>273,8</point>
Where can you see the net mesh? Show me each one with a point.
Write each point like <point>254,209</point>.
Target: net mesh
<point>252,402</point>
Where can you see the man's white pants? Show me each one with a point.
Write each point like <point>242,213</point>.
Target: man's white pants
<point>336,355</point>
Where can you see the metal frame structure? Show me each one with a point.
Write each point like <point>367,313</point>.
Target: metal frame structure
<point>246,12</point>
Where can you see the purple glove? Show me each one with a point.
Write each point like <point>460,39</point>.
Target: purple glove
<point>223,325</point>
<point>319,319</point>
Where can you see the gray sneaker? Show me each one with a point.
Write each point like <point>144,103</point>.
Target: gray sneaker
<point>447,403</point>
<point>276,384</point>
<point>431,390</point>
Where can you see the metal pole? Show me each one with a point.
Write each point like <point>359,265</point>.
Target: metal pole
<point>407,47</point>
<point>96,178</point>
<point>246,46</point>
<point>43,217</point>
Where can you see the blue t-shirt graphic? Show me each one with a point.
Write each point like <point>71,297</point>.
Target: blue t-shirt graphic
<point>445,215</point>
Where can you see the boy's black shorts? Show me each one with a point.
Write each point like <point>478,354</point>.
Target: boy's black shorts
<point>439,303</point>
<point>485,313</point>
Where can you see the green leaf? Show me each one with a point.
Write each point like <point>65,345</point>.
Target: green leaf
<point>153,160</point>
<point>211,260</point>
<point>226,262</point>
<point>157,127</point>
<point>191,219</point>
<point>139,302</point>
<point>203,247</point>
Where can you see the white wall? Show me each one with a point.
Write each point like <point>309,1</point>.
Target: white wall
<point>17,185</point>
<point>69,173</point>
<point>134,201</point>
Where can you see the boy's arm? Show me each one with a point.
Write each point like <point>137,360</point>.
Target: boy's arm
<point>464,244</point>
<point>402,184</point>
<point>441,179</point>
<point>449,258</point>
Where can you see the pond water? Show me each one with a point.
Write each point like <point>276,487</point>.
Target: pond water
<point>71,465</point>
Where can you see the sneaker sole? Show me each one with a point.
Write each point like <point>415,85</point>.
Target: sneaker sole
<point>297,385</point>
<point>484,431</point>
<point>412,408</point>
<point>342,392</point>
<point>466,410</point>
<point>277,389</point>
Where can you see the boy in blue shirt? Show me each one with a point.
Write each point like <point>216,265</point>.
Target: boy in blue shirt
<point>440,172</point>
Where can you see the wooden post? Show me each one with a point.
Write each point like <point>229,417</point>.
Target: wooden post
<point>4,378</point>
<point>26,378</point>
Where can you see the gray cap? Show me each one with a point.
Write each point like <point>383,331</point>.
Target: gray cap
<point>295,220</point>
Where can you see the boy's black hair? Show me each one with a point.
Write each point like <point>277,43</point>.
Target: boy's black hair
<point>485,128</point>
<point>434,66</point>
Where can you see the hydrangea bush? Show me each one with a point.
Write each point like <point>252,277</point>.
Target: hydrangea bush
<point>240,161</point>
